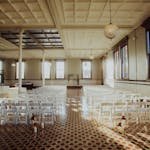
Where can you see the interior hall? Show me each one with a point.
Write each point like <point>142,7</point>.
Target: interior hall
<point>74,74</point>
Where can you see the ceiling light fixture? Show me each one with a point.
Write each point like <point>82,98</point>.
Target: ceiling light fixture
<point>13,65</point>
<point>110,29</point>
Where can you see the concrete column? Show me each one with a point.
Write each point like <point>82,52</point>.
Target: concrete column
<point>20,60</point>
<point>43,69</point>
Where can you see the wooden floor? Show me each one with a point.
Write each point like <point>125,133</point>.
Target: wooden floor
<point>71,132</point>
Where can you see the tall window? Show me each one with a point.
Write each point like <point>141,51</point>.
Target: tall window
<point>47,69</point>
<point>148,49</point>
<point>86,69</point>
<point>1,72</point>
<point>121,60</point>
<point>60,69</point>
<point>17,70</point>
<point>124,62</point>
<point>117,64</point>
<point>148,41</point>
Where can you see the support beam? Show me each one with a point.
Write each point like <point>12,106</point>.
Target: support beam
<point>20,60</point>
<point>56,19</point>
<point>36,40</point>
<point>43,69</point>
<point>13,26</point>
<point>92,27</point>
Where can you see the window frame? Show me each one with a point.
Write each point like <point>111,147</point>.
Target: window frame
<point>117,63</point>
<point>2,72</point>
<point>86,60</point>
<point>18,70</point>
<point>148,50</point>
<point>122,62</point>
<point>119,48</point>
<point>44,69</point>
<point>148,66</point>
<point>59,60</point>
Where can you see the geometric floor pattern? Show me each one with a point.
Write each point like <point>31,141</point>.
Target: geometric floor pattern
<point>138,134</point>
<point>83,136</point>
<point>72,132</point>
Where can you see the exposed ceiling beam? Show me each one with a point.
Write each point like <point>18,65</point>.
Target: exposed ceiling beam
<point>114,1</point>
<point>81,49</point>
<point>56,19</point>
<point>25,27</point>
<point>47,37</point>
<point>6,44</point>
<point>52,49</point>
<point>36,40</point>
<point>92,27</point>
<point>15,37</point>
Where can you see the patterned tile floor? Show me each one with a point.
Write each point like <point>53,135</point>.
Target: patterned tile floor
<point>73,132</point>
<point>138,134</point>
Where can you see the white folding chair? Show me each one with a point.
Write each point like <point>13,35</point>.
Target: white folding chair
<point>47,114</point>
<point>22,112</point>
<point>10,112</point>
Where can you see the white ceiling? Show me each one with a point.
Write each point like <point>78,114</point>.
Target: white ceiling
<point>79,22</point>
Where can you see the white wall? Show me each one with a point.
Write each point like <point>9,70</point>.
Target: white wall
<point>138,65</point>
<point>108,70</point>
<point>33,69</point>
<point>33,72</point>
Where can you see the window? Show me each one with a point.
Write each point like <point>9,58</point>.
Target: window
<point>1,72</point>
<point>86,69</point>
<point>121,60</point>
<point>117,64</point>
<point>47,69</point>
<point>148,49</point>
<point>148,41</point>
<point>146,25</point>
<point>17,70</point>
<point>60,68</point>
<point>124,62</point>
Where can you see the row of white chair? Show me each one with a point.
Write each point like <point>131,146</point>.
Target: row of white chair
<point>39,105</point>
<point>109,106</point>
<point>22,112</point>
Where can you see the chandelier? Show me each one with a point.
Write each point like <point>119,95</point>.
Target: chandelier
<point>110,29</point>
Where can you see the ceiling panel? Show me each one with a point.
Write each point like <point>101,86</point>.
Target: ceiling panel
<point>77,26</point>
<point>34,39</point>
<point>25,12</point>
<point>89,39</point>
<point>96,11</point>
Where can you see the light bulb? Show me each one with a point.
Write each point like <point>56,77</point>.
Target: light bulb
<point>110,31</point>
<point>13,64</point>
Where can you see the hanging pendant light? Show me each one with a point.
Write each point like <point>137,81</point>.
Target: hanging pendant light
<point>110,29</point>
